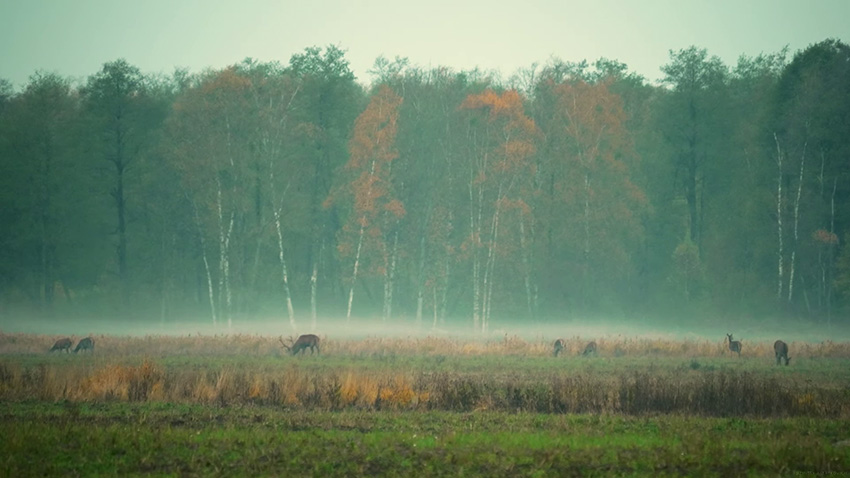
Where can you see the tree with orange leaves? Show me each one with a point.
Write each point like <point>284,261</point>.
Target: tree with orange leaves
<point>599,206</point>
<point>500,177</point>
<point>369,237</point>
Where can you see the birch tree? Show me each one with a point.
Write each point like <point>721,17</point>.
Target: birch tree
<point>500,172</point>
<point>207,131</point>
<point>369,235</point>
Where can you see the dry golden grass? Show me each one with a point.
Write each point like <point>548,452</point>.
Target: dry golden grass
<point>374,374</point>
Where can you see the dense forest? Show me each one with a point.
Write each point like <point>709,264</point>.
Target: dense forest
<point>430,195</point>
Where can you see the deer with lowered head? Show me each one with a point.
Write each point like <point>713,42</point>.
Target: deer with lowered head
<point>304,342</point>
<point>589,349</point>
<point>85,344</point>
<point>62,344</point>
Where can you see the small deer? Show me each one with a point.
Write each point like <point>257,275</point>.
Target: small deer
<point>85,344</point>
<point>558,347</point>
<point>303,343</point>
<point>589,349</point>
<point>780,348</point>
<point>734,345</point>
<point>62,344</point>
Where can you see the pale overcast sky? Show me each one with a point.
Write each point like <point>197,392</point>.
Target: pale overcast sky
<point>75,37</point>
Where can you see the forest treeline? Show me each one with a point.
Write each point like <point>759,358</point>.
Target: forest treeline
<point>293,191</point>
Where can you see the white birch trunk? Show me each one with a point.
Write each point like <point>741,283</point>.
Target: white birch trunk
<point>586,264</point>
<point>796,224</point>
<point>210,286</point>
<point>210,289</point>
<point>474,233</point>
<point>388,280</point>
<point>490,268</point>
<point>314,285</point>
<point>284,273</point>
<point>444,302</point>
<point>525,265</point>
<point>354,273</point>
<point>446,276</point>
<point>223,260</point>
<point>228,295</point>
<point>781,253</point>
<point>434,294</point>
<point>831,255</point>
<point>420,295</point>
<point>359,248</point>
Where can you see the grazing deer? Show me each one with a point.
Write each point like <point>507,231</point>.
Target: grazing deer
<point>62,344</point>
<point>734,345</point>
<point>303,343</point>
<point>558,347</point>
<point>85,344</point>
<point>589,349</point>
<point>780,348</point>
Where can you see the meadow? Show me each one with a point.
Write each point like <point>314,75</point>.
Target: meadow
<point>238,405</point>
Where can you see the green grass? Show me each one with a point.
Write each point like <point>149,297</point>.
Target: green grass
<point>71,439</point>
<point>237,406</point>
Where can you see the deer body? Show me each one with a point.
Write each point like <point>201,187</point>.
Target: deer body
<point>303,343</point>
<point>62,344</point>
<point>734,345</point>
<point>85,344</point>
<point>558,347</point>
<point>780,348</point>
<point>589,349</point>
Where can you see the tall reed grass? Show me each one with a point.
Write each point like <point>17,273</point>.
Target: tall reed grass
<point>320,384</point>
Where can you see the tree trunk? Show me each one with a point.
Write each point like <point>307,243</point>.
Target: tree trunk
<point>781,253</point>
<point>284,274</point>
<point>474,235</point>
<point>210,289</point>
<point>314,285</point>
<point>224,260</point>
<point>586,251</point>
<point>831,257</point>
<point>490,267</point>
<point>796,226</point>
<point>389,279</point>
<point>354,273</point>
<point>526,267</point>
<point>420,294</point>
<point>359,248</point>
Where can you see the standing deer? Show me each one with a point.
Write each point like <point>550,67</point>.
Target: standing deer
<point>303,343</point>
<point>85,344</point>
<point>558,347</point>
<point>780,348</point>
<point>734,345</point>
<point>589,349</point>
<point>62,344</point>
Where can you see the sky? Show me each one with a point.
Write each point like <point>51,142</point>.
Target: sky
<point>76,37</point>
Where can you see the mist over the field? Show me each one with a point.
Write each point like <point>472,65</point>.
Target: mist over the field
<point>337,328</point>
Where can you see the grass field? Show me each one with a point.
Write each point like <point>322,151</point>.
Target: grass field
<point>236,405</point>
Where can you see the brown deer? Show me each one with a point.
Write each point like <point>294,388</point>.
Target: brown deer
<point>558,347</point>
<point>303,343</point>
<point>85,344</point>
<point>589,349</point>
<point>780,348</point>
<point>62,344</point>
<point>734,345</point>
